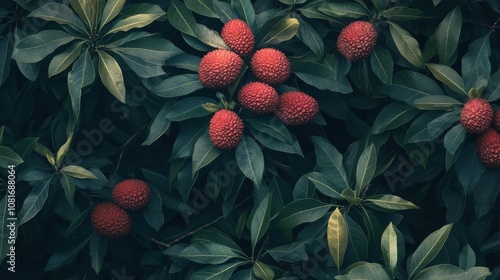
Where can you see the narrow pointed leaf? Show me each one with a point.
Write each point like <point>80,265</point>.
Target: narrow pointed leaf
<point>9,157</point>
<point>78,172</point>
<point>111,10</point>
<point>476,65</point>
<point>389,202</point>
<point>406,44</point>
<point>260,221</point>
<point>181,18</point>
<point>280,32</point>
<point>111,75</point>
<point>81,75</point>
<point>61,14</point>
<point>204,153</point>
<point>36,47</point>
<point>98,248</point>
<point>300,211</point>
<point>34,201</point>
<point>448,76</point>
<point>447,35</point>
<point>61,61</point>
<point>250,159</point>
<point>367,165</point>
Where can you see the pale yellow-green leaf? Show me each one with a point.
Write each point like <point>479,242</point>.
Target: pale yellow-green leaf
<point>111,75</point>
<point>282,31</point>
<point>389,244</point>
<point>77,172</point>
<point>61,61</point>
<point>63,150</point>
<point>337,237</point>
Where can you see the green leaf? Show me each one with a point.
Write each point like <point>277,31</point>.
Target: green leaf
<point>393,116</point>
<point>351,197</point>
<point>159,126</point>
<point>343,9</point>
<point>282,31</point>
<point>6,49</point>
<point>204,153</point>
<point>436,102</point>
<point>210,37</point>
<point>34,201</point>
<point>271,127</point>
<point>188,108</point>
<point>380,4</point>
<point>208,253</point>
<point>484,195</point>
<point>382,64</point>
<point>43,151</point>
<point>469,168</point>
<point>310,37</point>
<point>262,271</point>
<point>36,47</point>
<point>61,61</point>
<point>202,7</point>
<point>24,147</point>
<point>224,11</point>
<point>402,13</point>
<point>61,14</point>
<point>184,144</point>
<point>454,138</point>
<point>260,221</point>
<point>406,44</point>
<point>178,86</point>
<point>81,75</point>
<point>447,35</point>
<point>98,248</point>
<point>467,257</point>
<point>140,67</point>
<point>389,246</point>
<point>84,10</point>
<point>337,237</point>
<point>9,157</point>
<point>216,272</point>
<point>291,253</point>
<point>245,11</point>
<point>367,165</point>
<point>135,21</point>
<point>111,10</point>
<point>325,185</point>
<point>388,202</point>
<point>78,172</point>
<point>152,212</point>
<point>250,159</point>
<point>448,76</point>
<point>111,75</point>
<point>329,162</point>
<point>301,211</point>
<point>68,187</point>
<point>364,270</point>
<point>67,253</point>
<point>63,150</point>
<point>427,251</point>
<point>153,50</point>
<point>476,65</point>
<point>449,272</point>
<point>181,18</point>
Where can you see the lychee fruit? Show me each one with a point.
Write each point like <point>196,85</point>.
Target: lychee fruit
<point>225,129</point>
<point>296,108</point>
<point>219,68</point>
<point>131,194</point>
<point>357,40</point>
<point>476,115</point>
<point>238,36</point>
<point>110,221</point>
<point>270,66</point>
<point>496,120</point>
<point>258,98</point>
<point>488,148</point>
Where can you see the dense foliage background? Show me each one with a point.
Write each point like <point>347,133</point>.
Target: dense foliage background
<point>385,183</point>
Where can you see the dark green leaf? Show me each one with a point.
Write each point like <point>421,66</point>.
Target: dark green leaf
<point>189,108</point>
<point>151,49</point>
<point>61,61</point>
<point>84,10</point>
<point>467,257</point>
<point>260,221</point>
<point>271,127</point>
<point>36,47</point>
<point>111,10</point>
<point>436,102</point>
<point>216,272</point>
<point>111,75</point>
<point>393,116</point>
<point>224,11</point>
<point>447,35</point>
<point>9,157</point>
<point>291,253</point>
<point>184,144</point>
<point>382,64</point>
<point>152,212</point>
<point>98,248</point>
<point>181,18</point>
<point>208,253</point>
<point>135,21</point>
<point>406,44</point>
<point>469,169</point>
<point>380,4</point>
<point>245,11</point>
<point>159,126</point>
<point>325,185</point>
<point>301,211</point>
<point>427,251</point>
<point>329,162</point>
<point>140,67</point>
<point>210,37</point>
<point>6,49</point>
<point>344,9</point>
<point>402,13</point>
<point>310,37</point>
<point>202,7</point>
<point>250,159</point>
<point>454,138</point>
<point>279,32</point>
<point>67,253</point>
<point>69,189</point>
<point>81,75</point>
<point>204,153</point>
<point>34,201</point>
<point>476,65</point>
<point>364,270</point>
<point>448,76</point>
<point>262,271</point>
<point>61,14</point>
<point>365,170</point>
<point>25,146</point>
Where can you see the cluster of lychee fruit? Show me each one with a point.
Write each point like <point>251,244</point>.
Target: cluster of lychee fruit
<point>219,68</point>
<point>477,117</point>
<point>111,220</point>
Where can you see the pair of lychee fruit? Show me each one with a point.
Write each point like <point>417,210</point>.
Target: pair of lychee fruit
<point>111,220</point>
<point>477,117</point>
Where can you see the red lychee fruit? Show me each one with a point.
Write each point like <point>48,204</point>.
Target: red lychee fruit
<point>131,194</point>
<point>476,115</point>
<point>258,98</point>
<point>225,129</point>
<point>238,36</point>
<point>219,68</point>
<point>296,108</point>
<point>110,221</point>
<point>488,148</point>
<point>357,40</point>
<point>270,66</point>
<point>496,120</point>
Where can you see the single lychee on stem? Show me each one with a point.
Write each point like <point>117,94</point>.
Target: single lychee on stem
<point>270,66</point>
<point>238,36</point>
<point>258,98</point>
<point>219,68</point>
<point>131,194</point>
<point>296,108</point>
<point>225,129</point>
<point>476,115</point>
<point>357,40</point>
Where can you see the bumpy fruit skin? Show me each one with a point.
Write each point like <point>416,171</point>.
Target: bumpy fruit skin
<point>225,129</point>
<point>238,36</point>
<point>476,115</point>
<point>270,66</point>
<point>496,120</point>
<point>357,40</point>
<point>488,148</point>
<point>219,68</point>
<point>296,108</point>
<point>131,194</point>
<point>258,98</point>
<point>110,221</point>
